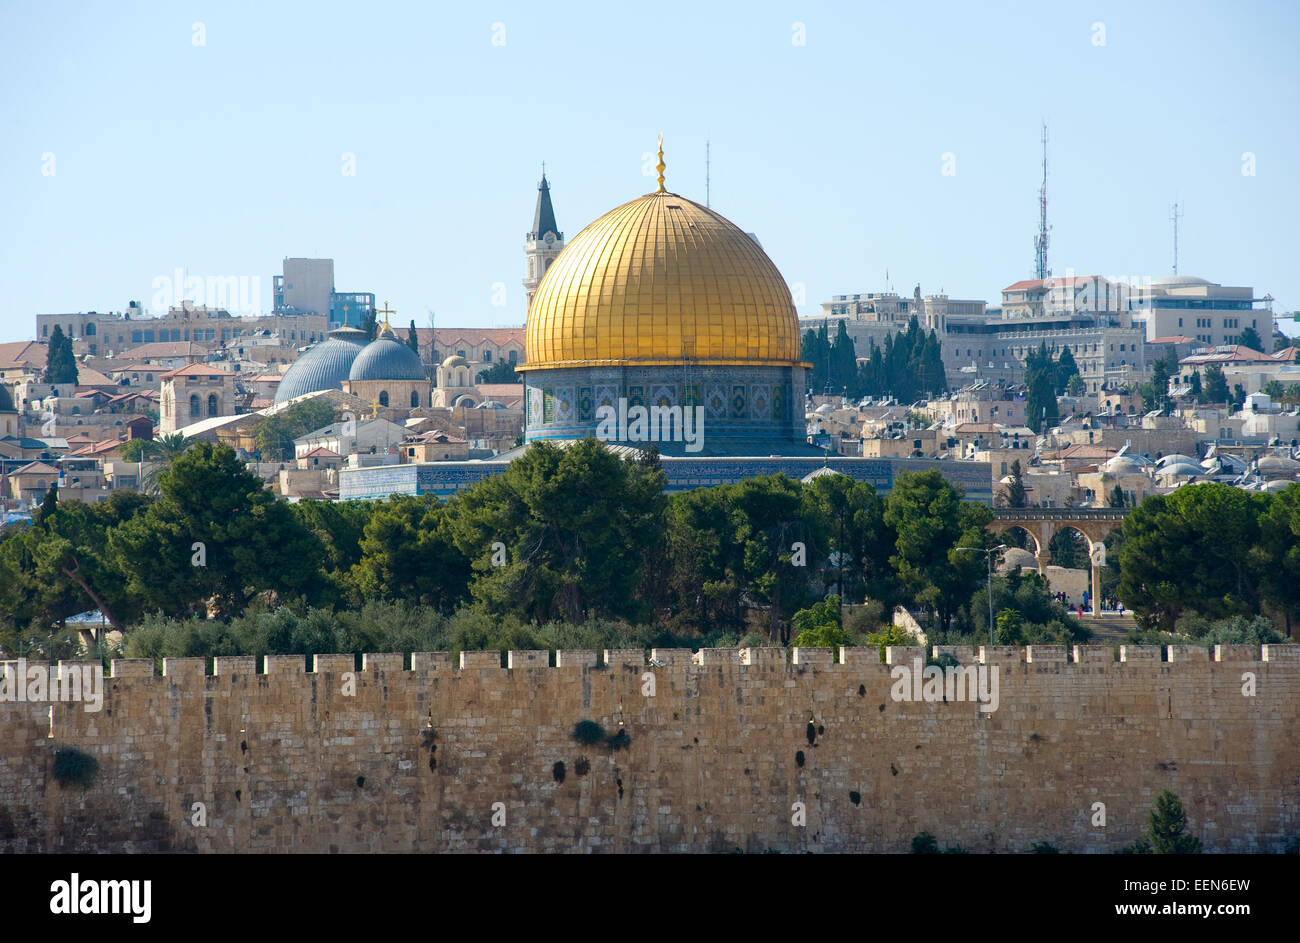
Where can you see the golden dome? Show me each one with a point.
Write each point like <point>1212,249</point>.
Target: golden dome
<point>660,280</point>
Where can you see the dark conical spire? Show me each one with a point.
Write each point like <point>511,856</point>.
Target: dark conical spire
<point>544,218</point>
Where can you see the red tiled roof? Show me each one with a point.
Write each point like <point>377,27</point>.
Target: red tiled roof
<point>35,468</point>
<point>15,353</point>
<point>1174,339</point>
<point>320,452</point>
<point>165,349</point>
<point>1230,353</point>
<point>471,336</point>
<point>499,391</point>
<point>197,370</point>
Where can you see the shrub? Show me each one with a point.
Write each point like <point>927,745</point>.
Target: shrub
<point>72,767</point>
<point>588,732</point>
<point>925,844</point>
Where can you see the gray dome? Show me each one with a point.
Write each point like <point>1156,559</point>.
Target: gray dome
<point>324,367</point>
<point>386,358</point>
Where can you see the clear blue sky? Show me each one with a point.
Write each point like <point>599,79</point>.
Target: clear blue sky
<point>224,158</point>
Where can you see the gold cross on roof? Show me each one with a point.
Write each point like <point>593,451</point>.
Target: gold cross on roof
<point>385,311</point>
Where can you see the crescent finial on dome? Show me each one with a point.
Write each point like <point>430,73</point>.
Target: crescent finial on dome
<point>661,165</point>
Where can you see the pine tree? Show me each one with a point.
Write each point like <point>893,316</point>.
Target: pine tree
<point>1041,409</point>
<point>1196,386</point>
<point>1168,820</point>
<point>1116,497</point>
<point>60,362</point>
<point>1065,368</point>
<point>844,362</point>
<point>50,504</point>
<point>370,324</point>
<point>412,339</point>
<point>1215,386</point>
<point>1016,494</point>
<point>935,379</point>
<point>1250,338</point>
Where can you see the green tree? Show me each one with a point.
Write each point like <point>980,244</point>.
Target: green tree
<point>1276,556</point>
<point>1165,834</point>
<point>215,534</point>
<point>500,372</point>
<point>931,520</point>
<point>1195,382</point>
<point>161,453</point>
<point>1250,338</point>
<point>1274,390</point>
<point>1191,550</point>
<point>1216,387</point>
<point>407,553</point>
<point>1041,409</point>
<point>560,533</point>
<point>1163,369</point>
<point>275,433</point>
<point>339,526</point>
<point>1017,496</point>
<point>1068,549</point>
<point>412,338</point>
<point>844,363</point>
<point>370,324</point>
<point>1065,369</point>
<point>819,626</point>
<point>1116,498</point>
<point>49,505</point>
<point>860,543</point>
<point>60,362</point>
<point>1075,385</point>
<point>63,565</point>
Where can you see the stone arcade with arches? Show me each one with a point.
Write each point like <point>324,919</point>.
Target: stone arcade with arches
<point>1042,524</point>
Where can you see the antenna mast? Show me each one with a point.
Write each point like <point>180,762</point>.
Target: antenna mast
<point>1041,270</point>
<point>1175,215</point>
<point>706,173</point>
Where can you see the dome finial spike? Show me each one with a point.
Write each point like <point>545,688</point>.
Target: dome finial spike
<point>661,165</point>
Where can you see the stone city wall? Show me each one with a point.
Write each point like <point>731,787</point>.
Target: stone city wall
<point>712,751</point>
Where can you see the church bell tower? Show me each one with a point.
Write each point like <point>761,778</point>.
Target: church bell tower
<point>543,243</point>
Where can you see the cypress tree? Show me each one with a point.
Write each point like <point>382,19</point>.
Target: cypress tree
<point>60,363</point>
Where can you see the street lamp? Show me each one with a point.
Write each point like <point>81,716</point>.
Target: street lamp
<point>988,553</point>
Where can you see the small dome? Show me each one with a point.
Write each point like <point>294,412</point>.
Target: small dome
<point>1015,558</point>
<point>1179,469</point>
<point>1121,465</point>
<point>455,360</point>
<point>386,358</point>
<point>324,367</point>
<point>1276,466</point>
<point>1174,459</point>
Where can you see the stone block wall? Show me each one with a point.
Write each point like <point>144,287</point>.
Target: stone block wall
<point>703,753</point>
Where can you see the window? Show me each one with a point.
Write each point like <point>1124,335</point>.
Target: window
<point>45,330</point>
<point>383,398</point>
<point>1180,322</point>
<point>136,337</point>
<point>514,357</point>
<point>487,356</point>
<point>415,399</point>
<point>195,409</point>
<point>90,330</point>
<point>460,353</point>
<point>212,404</point>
